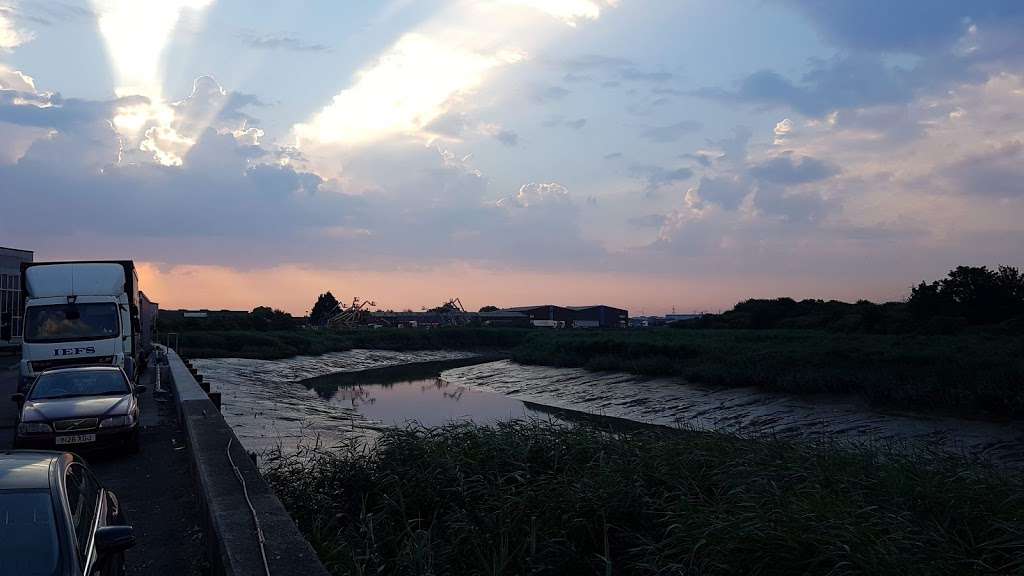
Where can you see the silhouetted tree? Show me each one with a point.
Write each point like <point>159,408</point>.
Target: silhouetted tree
<point>489,309</point>
<point>326,305</point>
<point>267,318</point>
<point>973,292</point>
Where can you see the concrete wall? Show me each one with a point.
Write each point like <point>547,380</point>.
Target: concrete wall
<point>231,533</point>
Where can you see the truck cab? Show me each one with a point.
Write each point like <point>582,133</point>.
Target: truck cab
<point>79,314</point>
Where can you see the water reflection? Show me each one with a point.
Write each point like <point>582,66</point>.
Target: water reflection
<point>343,395</point>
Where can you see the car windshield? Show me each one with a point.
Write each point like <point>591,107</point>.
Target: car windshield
<point>67,322</point>
<point>79,383</point>
<point>28,534</point>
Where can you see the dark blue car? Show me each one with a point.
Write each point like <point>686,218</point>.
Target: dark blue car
<point>56,519</point>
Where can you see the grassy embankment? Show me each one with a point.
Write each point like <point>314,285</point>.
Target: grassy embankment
<point>531,498</point>
<point>972,373</point>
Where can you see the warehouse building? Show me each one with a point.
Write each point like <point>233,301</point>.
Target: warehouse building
<point>547,315</point>
<point>12,304</point>
<point>599,316</point>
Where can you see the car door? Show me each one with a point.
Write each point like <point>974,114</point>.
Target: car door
<point>85,508</point>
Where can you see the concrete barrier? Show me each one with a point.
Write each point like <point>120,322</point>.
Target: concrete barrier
<point>232,535</point>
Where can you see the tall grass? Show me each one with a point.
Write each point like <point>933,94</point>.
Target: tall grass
<point>535,498</point>
<point>271,345</point>
<point>973,374</point>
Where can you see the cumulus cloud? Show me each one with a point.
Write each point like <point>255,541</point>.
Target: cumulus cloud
<point>533,194</point>
<point>727,191</point>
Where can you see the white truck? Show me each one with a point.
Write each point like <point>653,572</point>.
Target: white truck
<point>80,314</point>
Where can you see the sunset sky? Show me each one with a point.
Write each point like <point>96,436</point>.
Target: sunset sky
<point>648,154</point>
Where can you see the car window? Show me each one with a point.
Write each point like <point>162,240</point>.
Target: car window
<point>79,383</point>
<point>28,533</point>
<point>83,499</point>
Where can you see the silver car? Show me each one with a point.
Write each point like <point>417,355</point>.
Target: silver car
<point>79,409</point>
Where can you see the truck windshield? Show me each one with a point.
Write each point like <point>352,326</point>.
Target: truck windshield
<point>71,322</point>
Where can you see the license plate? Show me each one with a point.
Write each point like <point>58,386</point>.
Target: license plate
<point>76,439</point>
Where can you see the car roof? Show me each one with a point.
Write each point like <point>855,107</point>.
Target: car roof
<point>83,369</point>
<point>26,469</point>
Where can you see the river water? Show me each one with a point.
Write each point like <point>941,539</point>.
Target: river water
<point>268,405</point>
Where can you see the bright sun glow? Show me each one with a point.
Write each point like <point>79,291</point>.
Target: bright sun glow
<point>136,32</point>
<point>416,80</point>
<point>407,88</point>
<point>569,11</point>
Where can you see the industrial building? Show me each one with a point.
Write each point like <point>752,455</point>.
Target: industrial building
<point>599,316</point>
<point>12,305</point>
<point>596,316</point>
<point>547,315</point>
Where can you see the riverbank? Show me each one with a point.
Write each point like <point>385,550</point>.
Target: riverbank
<point>545,499</point>
<point>969,374</point>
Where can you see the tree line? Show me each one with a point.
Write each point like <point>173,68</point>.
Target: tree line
<point>969,296</point>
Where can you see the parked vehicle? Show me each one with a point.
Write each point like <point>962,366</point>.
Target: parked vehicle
<point>57,519</point>
<point>90,407</point>
<point>80,313</point>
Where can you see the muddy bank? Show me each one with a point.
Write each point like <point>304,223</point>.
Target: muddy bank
<point>743,411</point>
<point>283,402</point>
<point>335,397</point>
<point>327,384</point>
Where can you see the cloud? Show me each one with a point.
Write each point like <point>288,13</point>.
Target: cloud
<point>671,132</point>
<point>436,65</point>
<point>11,36</point>
<point>842,82</point>
<point>702,159</point>
<point>279,42</point>
<point>915,26</point>
<point>791,206</point>
<point>507,137</point>
<point>577,124</point>
<point>727,191</point>
<point>613,156</point>
<point>534,194</point>
<point>568,11</point>
<point>656,177</point>
<point>45,13</point>
<point>787,169</point>
<point>634,74</point>
<point>997,172</point>
<point>648,221</point>
<point>45,110</point>
<point>782,130</point>
<point>550,93</point>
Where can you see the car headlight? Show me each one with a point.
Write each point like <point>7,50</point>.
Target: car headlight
<point>117,421</point>
<point>34,428</point>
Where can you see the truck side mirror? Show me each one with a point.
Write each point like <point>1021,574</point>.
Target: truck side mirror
<point>18,397</point>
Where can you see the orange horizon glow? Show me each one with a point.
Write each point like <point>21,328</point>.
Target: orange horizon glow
<point>294,288</point>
